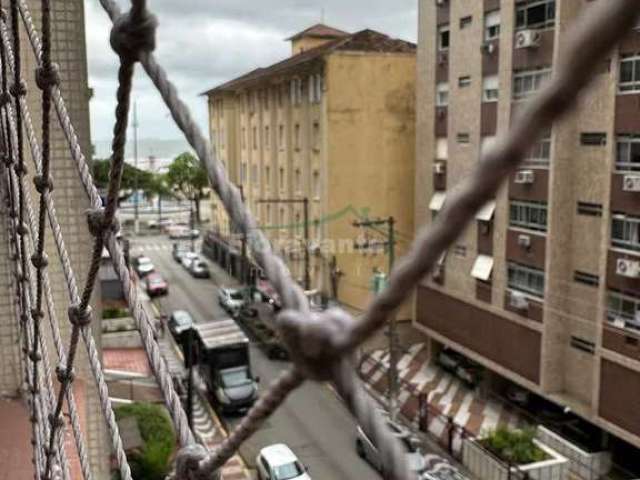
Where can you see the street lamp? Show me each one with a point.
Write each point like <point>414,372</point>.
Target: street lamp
<point>305,202</point>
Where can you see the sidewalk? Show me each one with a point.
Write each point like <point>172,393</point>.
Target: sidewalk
<point>446,395</point>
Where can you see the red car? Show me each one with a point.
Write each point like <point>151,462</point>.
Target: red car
<point>156,285</point>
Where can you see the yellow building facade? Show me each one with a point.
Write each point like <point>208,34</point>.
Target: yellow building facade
<point>332,126</point>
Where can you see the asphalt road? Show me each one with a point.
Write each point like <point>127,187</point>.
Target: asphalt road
<point>313,421</point>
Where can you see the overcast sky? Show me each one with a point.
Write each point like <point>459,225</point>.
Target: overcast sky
<point>203,43</point>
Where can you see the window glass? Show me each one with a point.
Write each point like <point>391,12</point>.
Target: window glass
<point>443,37</point>
<point>528,215</point>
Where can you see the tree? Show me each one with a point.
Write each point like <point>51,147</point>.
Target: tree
<point>158,185</point>
<point>187,176</point>
<point>129,174</point>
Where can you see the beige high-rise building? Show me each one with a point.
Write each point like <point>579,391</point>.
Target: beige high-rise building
<point>69,51</point>
<point>544,288</point>
<point>332,124</point>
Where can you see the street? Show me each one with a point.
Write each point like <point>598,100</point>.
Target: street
<point>313,421</point>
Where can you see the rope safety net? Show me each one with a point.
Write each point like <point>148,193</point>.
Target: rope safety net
<point>321,345</point>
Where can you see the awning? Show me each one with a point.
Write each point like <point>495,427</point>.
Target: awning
<point>485,214</point>
<point>437,201</point>
<point>482,268</point>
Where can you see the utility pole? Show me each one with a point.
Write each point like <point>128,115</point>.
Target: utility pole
<point>305,204</point>
<point>390,243</point>
<point>136,222</point>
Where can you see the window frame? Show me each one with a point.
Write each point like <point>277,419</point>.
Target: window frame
<point>490,83</point>
<point>465,22</point>
<point>442,88</point>
<point>464,81</point>
<point>633,85</point>
<point>441,30</point>
<point>524,7</point>
<point>489,23</point>
<point>524,219</point>
<point>619,313</point>
<point>630,225</point>
<point>537,76</point>
<point>627,165</point>
<point>523,284</point>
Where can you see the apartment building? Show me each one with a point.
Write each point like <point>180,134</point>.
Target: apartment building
<point>544,288</point>
<point>332,127</point>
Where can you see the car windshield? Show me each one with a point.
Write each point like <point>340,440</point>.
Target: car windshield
<point>235,378</point>
<point>288,471</point>
<point>144,261</point>
<point>236,295</point>
<point>182,318</point>
<point>201,265</point>
<point>156,281</point>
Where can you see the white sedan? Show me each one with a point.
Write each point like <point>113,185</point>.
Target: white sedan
<point>278,462</point>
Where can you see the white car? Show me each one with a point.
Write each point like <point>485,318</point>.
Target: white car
<point>188,258</point>
<point>144,266</point>
<point>231,299</point>
<point>278,462</point>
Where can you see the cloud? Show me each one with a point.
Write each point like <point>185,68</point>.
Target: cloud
<point>202,43</point>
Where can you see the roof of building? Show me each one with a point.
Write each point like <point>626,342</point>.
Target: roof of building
<point>363,41</point>
<point>320,30</point>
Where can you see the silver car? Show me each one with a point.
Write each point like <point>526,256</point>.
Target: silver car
<point>369,451</point>
<point>231,299</point>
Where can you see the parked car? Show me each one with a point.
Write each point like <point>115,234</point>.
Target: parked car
<point>187,258</point>
<point>156,285</point>
<point>278,462</point>
<point>180,322</point>
<point>449,360</point>
<point>179,232</point>
<point>443,471</point>
<point>518,395</point>
<point>165,224</point>
<point>199,269</point>
<point>460,366</point>
<point>178,252</point>
<point>368,450</point>
<point>231,299</point>
<point>143,266</point>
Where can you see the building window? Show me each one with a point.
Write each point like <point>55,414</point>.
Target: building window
<point>586,278</point>
<point>490,92</point>
<point>282,218</point>
<point>255,138</point>
<point>525,279</point>
<point>243,173</point>
<point>281,137</point>
<point>623,310</point>
<point>281,177</point>
<point>463,138</point>
<point>267,136</point>
<point>593,139</point>
<point>628,153</point>
<point>254,174</point>
<point>540,153</point>
<point>281,94</point>
<point>316,136</point>
<point>529,215</point>
<point>492,25</point>
<point>442,95</point>
<point>590,209</point>
<point>244,138</point>
<point>267,176</point>
<point>266,95</point>
<point>443,37</point>
<point>466,21</point>
<point>296,136</point>
<point>316,185</point>
<point>315,88</point>
<point>464,81</point>
<point>625,232</point>
<point>629,74</point>
<point>297,90</point>
<point>442,148</point>
<point>535,14</point>
<point>528,82</point>
<point>268,214</point>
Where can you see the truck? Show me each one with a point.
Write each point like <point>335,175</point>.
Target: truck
<point>223,362</point>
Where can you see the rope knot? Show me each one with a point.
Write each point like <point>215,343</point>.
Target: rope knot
<point>18,89</point>
<point>34,356</point>
<point>22,229</point>
<point>98,224</point>
<point>37,314</point>
<point>79,318</point>
<point>47,77</point>
<point>314,341</point>
<point>40,261</point>
<point>43,184</point>
<point>20,169</point>
<point>134,34</point>
<point>56,421</point>
<point>5,98</point>
<point>187,462</point>
<point>64,375</point>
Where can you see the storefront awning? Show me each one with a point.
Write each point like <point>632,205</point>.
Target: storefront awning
<point>482,268</point>
<point>485,214</point>
<point>437,201</point>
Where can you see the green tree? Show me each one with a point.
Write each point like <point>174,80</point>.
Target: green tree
<point>152,462</point>
<point>187,176</point>
<point>129,174</point>
<point>159,186</point>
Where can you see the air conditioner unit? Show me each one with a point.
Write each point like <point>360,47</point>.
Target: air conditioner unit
<point>628,268</point>
<point>528,39</point>
<point>631,183</point>
<point>524,241</point>
<point>619,322</point>
<point>518,301</point>
<point>439,168</point>
<point>525,177</point>
<point>488,47</point>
